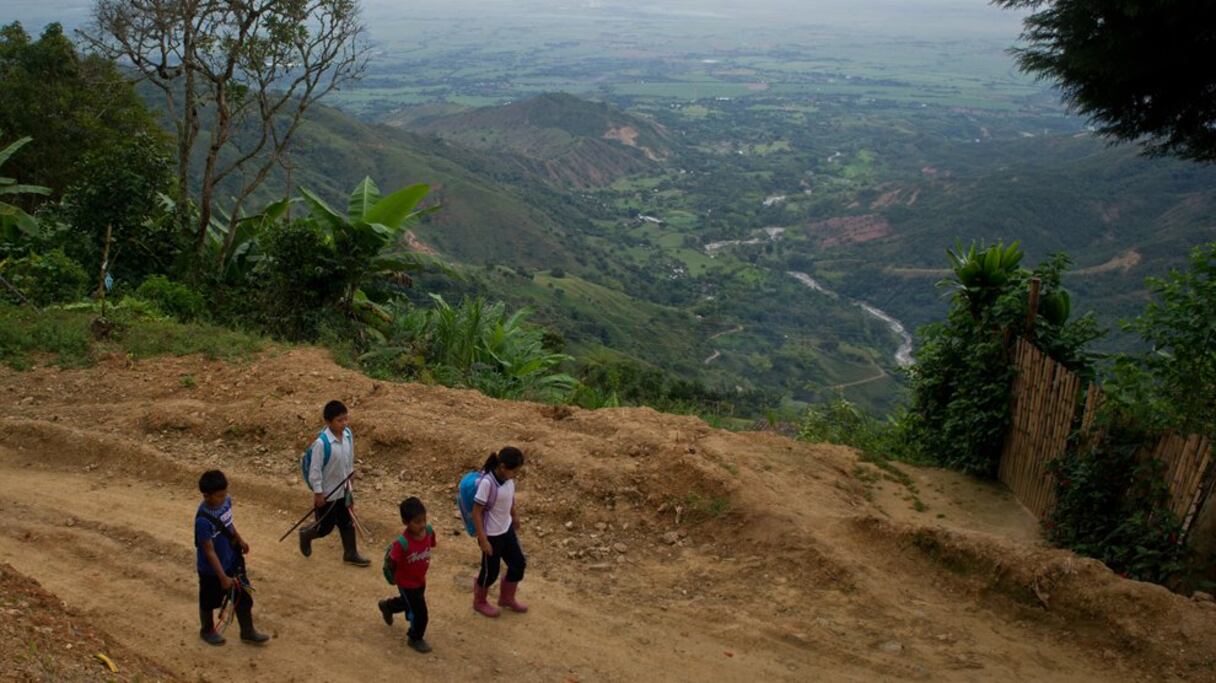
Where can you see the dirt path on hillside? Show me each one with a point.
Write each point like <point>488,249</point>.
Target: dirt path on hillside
<point>659,549</point>
<point>122,551</point>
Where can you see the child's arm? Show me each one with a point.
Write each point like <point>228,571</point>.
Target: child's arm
<point>479,511</point>
<point>316,473</point>
<point>236,536</point>
<point>514,517</point>
<point>214,561</point>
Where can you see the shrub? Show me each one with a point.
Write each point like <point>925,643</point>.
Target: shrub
<point>303,282</point>
<point>172,298</point>
<point>45,279</point>
<point>1113,506</point>
<point>963,374</point>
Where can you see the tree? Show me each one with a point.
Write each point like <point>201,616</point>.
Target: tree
<point>1180,326</point>
<point>1134,68</point>
<point>71,104</point>
<point>366,241</point>
<point>245,71</point>
<point>123,190</point>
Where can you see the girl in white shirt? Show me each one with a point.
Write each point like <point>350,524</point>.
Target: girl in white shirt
<point>496,523</point>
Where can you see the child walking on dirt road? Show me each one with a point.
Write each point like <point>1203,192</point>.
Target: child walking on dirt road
<point>405,566</point>
<point>496,524</point>
<point>330,466</point>
<point>220,559</point>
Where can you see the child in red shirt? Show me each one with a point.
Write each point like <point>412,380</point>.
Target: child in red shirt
<point>407,560</point>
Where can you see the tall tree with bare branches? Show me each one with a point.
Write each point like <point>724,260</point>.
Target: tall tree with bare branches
<point>239,73</point>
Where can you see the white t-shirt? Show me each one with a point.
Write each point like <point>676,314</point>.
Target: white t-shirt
<point>498,520</point>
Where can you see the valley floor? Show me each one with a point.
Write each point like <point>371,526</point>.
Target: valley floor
<point>659,549</point>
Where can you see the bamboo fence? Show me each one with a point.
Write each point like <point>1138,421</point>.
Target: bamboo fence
<point>1044,407</point>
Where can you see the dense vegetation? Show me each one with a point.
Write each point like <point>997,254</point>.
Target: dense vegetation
<point>1129,67</point>
<point>1112,503</point>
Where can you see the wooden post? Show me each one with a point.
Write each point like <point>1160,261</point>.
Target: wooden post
<point>1032,311</point>
<point>105,262</point>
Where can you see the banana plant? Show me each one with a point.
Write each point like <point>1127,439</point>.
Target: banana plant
<point>237,262</point>
<point>14,222</point>
<point>367,239</point>
<point>1056,307</point>
<point>982,274</point>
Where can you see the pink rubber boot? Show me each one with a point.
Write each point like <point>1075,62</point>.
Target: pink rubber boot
<point>480,604</point>
<point>506,597</point>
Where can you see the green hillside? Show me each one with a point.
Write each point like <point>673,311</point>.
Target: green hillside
<point>564,139</point>
<point>590,269</point>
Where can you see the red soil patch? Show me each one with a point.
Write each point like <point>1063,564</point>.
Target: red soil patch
<point>849,229</point>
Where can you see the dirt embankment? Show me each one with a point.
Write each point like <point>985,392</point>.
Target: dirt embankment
<point>659,549</point>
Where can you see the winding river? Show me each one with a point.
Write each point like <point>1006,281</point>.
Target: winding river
<point>903,355</point>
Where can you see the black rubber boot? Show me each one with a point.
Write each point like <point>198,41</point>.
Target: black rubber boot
<point>207,632</point>
<point>248,633</point>
<point>386,611</point>
<point>419,645</point>
<point>307,534</point>
<point>350,553</point>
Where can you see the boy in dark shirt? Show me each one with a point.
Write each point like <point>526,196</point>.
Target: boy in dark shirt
<point>410,557</point>
<point>220,561</point>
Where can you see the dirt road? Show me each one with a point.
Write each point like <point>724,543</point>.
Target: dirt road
<point>659,549</point>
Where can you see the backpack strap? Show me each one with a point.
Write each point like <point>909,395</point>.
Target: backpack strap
<point>327,447</point>
<point>215,522</point>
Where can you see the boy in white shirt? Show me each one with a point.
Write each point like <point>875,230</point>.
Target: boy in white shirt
<point>326,475</point>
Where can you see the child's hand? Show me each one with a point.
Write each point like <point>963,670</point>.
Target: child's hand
<point>244,547</point>
<point>485,545</point>
<point>225,582</point>
<point>318,500</point>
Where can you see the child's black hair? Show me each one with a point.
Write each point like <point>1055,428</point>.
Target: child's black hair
<point>212,481</point>
<point>509,457</point>
<point>411,509</point>
<point>333,410</point>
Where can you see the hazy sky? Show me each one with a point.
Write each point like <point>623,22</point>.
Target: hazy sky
<point>930,18</point>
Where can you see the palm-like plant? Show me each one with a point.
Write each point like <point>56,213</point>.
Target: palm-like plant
<point>237,255</point>
<point>982,274</point>
<point>367,239</point>
<point>13,220</point>
<point>480,345</point>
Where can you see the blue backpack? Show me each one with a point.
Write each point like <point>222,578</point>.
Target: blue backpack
<point>466,494</point>
<point>306,459</point>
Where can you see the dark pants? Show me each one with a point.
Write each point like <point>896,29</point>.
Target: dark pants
<point>333,513</point>
<point>506,547</point>
<point>211,595</point>
<point>413,603</point>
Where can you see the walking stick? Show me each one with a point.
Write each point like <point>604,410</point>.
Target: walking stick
<point>313,511</point>
<point>367,536</point>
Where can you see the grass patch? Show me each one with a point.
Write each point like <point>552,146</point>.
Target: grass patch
<point>147,338</point>
<point>699,508</point>
<point>63,338</point>
<point>26,332</point>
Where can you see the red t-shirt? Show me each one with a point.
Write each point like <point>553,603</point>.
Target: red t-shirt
<point>410,564</point>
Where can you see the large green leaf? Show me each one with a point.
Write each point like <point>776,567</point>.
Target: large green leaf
<point>321,211</point>
<point>365,196</point>
<point>12,217</point>
<point>24,189</point>
<point>12,149</point>
<point>393,210</point>
<point>411,262</point>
